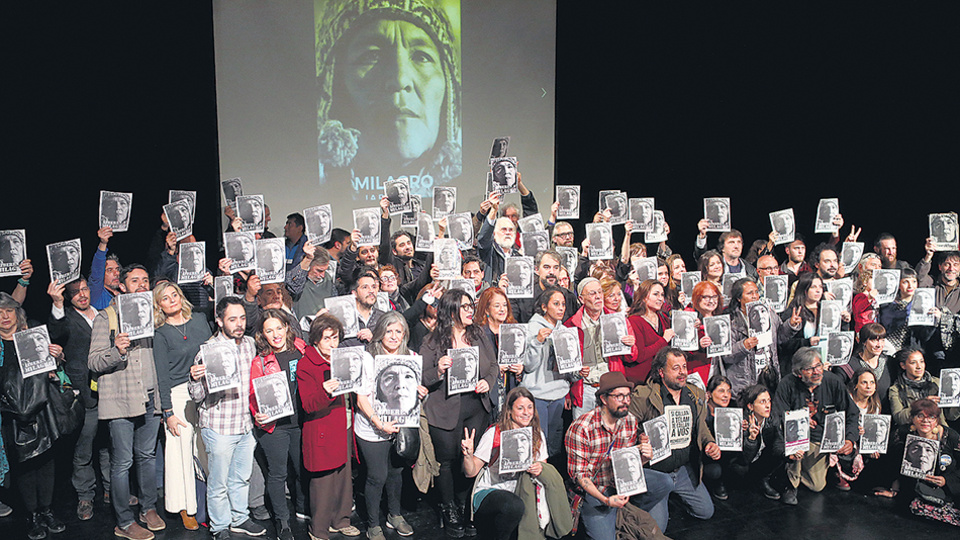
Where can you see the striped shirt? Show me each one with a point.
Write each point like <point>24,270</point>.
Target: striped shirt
<point>226,412</point>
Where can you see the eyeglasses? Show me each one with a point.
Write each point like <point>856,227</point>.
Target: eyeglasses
<point>564,234</point>
<point>388,279</point>
<point>818,367</point>
<point>620,397</point>
<point>925,418</point>
<point>767,268</point>
<point>711,298</point>
<point>468,307</point>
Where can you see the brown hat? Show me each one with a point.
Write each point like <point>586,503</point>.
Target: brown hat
<point>611,380</point>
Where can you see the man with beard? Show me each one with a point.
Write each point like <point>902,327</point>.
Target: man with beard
<point>945,286</point>
<point>680,473</point>
<point>496,241</point>
<point>104,273</point>
<point>731,247</point>
<point>590,440</point>
<point>355,260</point>
<point>365,290</point>
<point>397,249</point>
<point>563,234</point>
<point>548,270</point>
<point>796,262</point>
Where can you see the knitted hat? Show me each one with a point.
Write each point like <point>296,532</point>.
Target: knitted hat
<point>584,283</point>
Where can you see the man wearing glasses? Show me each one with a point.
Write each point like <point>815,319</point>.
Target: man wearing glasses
<point>821,393</point>
<point>563,234</point>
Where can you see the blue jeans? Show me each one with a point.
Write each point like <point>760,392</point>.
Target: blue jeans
<point>599,520</point>
<point>660,485</point>
<point>589,401</point>
<point>92,452</point>
<point>551,421</point>
<point>133,439</point>
<point>229,464</point>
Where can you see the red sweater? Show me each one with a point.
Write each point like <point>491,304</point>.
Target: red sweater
<point>649,344</point>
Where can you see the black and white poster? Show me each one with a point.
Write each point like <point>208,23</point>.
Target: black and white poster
<point>444,201</point>
<point>600,236</point>
<point>726,284</point>
<point>796,431</point>
<point>716,210</point>
<point>503,175</point>
<point>398,193</point>
<point>759,323</point>
<point>460,228</point>
<point>115,210</point>
<point>241,249</point>
<point>193,257</point>
<point>876,433</point>
<point>183,195</point>
<point>383,301</point>
<point>689,280</point>
<point>409,219</point>
<point>426,232</point>
<point>222,361</point>
<point>531,223</point>
<point>532,243</point>
<point>922,307</point>
<point>603,198</point>
<point>628,471</point>
<point>395,396</point>
<point>319,223</point>
<point>850,255</point>
<point>569,199</point>
<point>658,432</point>
<point>516,450</point>
<point>501,146</point>
<point>617,204</point>
<point>827,209</point>
<point>831,317</point>
<point>271,260</point>
<point>251,212</point>
<point>728,426</point>
<point>696,380</point>
<point>179,218</point>
<point>272,393</point>
<point>135,311</point>
<point>949,387</point>
<point>943,231</point>
<point>232,189</point>
<point>33,351</point>
<point>646,268</point>
<point>519,272</point>
<point>465,285</point>
<point>222,288</point>
<point>13,251</point>
<point>684,324</point>
<point>784,225</point>
<point>887,284</point>
<point>569,258</point>
<point>566,349</point>
<point>641,214</point>
<point>776,290</point>
<point>613,327</point>
<point>64,260</point>
<point>447,256</point>
<point>367,221</point>
<point>920,456</point>
<point>839,347</point>
<point>659,233</point>
<point>346,366</point>
<point>842,291</point>
<point>680,420</point>
<point>717,329</point>
<point>344,308</point>
<point>464,373</point>
<point>833,432</point>
<point>512,344</point>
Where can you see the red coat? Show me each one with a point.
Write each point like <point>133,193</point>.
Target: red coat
<point>326,442</point>
<point>265,366</point>
<point>614,363</point>
<point>649,344</point>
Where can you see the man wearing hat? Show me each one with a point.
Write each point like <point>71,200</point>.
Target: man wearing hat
<point>590,441</point>
<point>667,392</point>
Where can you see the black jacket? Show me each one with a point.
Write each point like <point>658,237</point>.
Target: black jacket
<point>831,396</point>
<point>73,334</point>
<point>29,428</point>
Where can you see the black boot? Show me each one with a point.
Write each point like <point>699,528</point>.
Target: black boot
<point>451,520</point>
<point>37,531</point>
<point>52,524</point>
<point>768,490</point>
<point>468,528</point>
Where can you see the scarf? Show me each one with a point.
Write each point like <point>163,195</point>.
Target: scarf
<point>911,390</point>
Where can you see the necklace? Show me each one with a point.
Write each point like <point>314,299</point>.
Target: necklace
<point>182,332</point>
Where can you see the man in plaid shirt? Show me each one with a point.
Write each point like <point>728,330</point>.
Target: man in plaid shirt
<point>590,440</point>
<point>227,429</point>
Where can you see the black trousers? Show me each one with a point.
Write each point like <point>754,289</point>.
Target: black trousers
<point>446,445</point>
<point>499,515</point>
<point>282,452</point>
<point>384,469</point>
<point>34,478</point>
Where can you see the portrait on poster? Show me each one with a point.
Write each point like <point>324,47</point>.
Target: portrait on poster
<point>684,324</point>
<point>923,307</point>
<point>796,431</point>
<point>943,231</point>
<point>839,347</point>
<point>716,210</point>
<point>776,290</point>
<point>842,291</point>
<point>568,199</point>
<point>566,348</point>
<point>398,193</point>
<point>33,351</point>
<point>628,471</point>
<point>827,210</point>
<point>367,221</point>
<point>192,267</point>
<point>519,272</point>
<point>272,393</point>
<point>241,249</point>
<point>346,366</point>
<point>179,218</point>
<point>833,432</point>
<point>613,327</point>
<point>222,288</point>
<point>641,214</point>
<point>876,433</point>
<point>271,264</point>
<point>516,450</point>
<point>600,236</point>
<point>784,225</point>
<point>344,309</point>
<point>504,174</point>
<point>531,223</point>
<point>448,259</point>
<point>920,456</point>
<point>64,260</point>
<point>512,345</point>
<point>115,210</point>
<point>232,189</point>
<point>13,251</point>
<point>689,280</point>
<point>831,317</point>
<point>319,223</point>
<point>395,396</point>
<point>426,232</point>
<point>658,433</point>
<point>409,219</point>
<point>646,268</point>
<point>183,195</point>
<point>251,211</point>
<point>850,255</point>
<point>728,425</point>
<point>659,233</point>
<point>460,228</point>
<point>444,201</point>
<point>717,328</point>
<point>949,387</point>
<point>135,311</point>
<point>222,361</point>
<point>532,243</point>
<point>464,373</point>
<point>569,258</point>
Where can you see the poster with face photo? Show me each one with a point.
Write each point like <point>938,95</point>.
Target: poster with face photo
<point>876,433</point>
<point>346,366</point>
<point>920,457</point>
<point>850,255</point>
<point>718,329</point>
<point>512,344</point>
<point>232,189</point>
<point>796,430</point>
<point>192,267</point>
<point>319,223</point>
<point>613,327</point>
<point>115,210</point>
<point>684,324</point>
<point>831,317</point>
<point>628,471</point>
<point>409,219</point>
<point>716,210</point>
<point>182,195</point>
<point>728,426</point>
<point>759,323</point>
<point>135,311</point>
<point>659,233</point>
<point>503,175</point>
<point>426,232</point>
<point>569,199</point>
<point>617,204</point>
<point>519,272</point>
<point>646,268</point>
<point>64,260</point>
<point>600,236</point>
<point>696,380</point>
<point>460,228</point>
<point>603,200</point>
<point>444,201</point>
<point>833,432</point>
<point>222,288</point>
<point>949,387</point>
<point>943,230</point>
<point>839,347</point>
<point>566,348</point>
<point>13,251</point>
<point>569,258</point>
<point>532,243</point>
<point>447,258</point>
<point>689,280</point>
<point>222,361</point>
<point>241,249</point>
<point>501,145</point>
<point>516,450</point>
<point>658,432</point>
<point>776,290</point>
<point>922,307</point>
<point>344,308</point>
<point>826,211</point>
<point>465,285</point>
<point>251,212</point>
<point>726,284</point>
<point>887,284</point>
<point>784,225</point>
<point>367,221</point>
<point>398,193</point>
<point>383,301</point>
<point>842,291</point>
<point>641,214</point>
<point>394,394</point>
<point>33,351</point>
<point>271,261</point>
<point>531,224</point>
<point>179,218</point>
<point>464,373</point>
<point>272,393</point>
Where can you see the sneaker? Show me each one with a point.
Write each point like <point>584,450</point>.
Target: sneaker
<point>843,485</point>
<point>376,533</point>
<point>260,513</point>
<point>134,500</point>
<point>790,497</point>
<point>5,510</point>
<point>221,535</point>
<point>153,521</point>
<point>349,530</point>
<point>286,534</point>
<point>85,510</point>
<point>399,524</point>
<point>720,492</point>
<point>37,531</point>
<point>302,514</point>
<point>52,524</point>
<point>133,532</point>
<point>249,528</point>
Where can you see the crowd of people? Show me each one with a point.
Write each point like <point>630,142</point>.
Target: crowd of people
<point>223,463</point>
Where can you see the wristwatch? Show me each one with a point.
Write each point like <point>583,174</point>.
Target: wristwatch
<point>167,414</point>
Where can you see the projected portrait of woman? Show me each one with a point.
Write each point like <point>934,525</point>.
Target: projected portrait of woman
<point>389,103</point>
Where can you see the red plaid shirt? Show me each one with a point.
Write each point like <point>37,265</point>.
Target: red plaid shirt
<point>589,444</point>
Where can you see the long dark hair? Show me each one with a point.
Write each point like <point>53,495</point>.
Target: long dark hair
<point>263,347</point>
<point>448,311</point>
<point>507,422</point>
<point>736,294</point>
<point>800,296</point>
<point>873,402</point>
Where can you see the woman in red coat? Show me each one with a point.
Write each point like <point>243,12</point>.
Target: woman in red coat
<point>651,327</point>
<point>326,445</point>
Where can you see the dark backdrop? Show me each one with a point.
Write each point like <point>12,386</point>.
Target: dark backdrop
<point>773,105</point>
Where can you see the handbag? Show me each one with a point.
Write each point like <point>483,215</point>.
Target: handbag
<point>406,443</point>
<point>65,405</point>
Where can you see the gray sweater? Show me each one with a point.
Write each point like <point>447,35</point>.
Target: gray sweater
<point>540,367</point>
